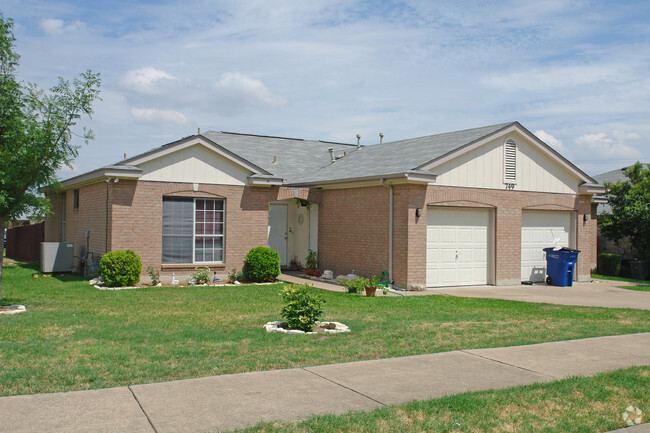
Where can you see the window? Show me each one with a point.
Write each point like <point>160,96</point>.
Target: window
<point>192,230</point>
<point>75,199</point>
<point>510,161</point>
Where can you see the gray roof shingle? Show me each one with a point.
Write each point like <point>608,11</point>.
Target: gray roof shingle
<point>304,161</point>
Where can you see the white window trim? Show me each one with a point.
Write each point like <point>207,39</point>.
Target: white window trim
<point>223,236</point>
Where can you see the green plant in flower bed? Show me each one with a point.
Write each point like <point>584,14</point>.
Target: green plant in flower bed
<point>235,275</point>
<point>201,276</point>
<point>120,268</point>
<point>302,307</point>
<point>261,264</point>
<point>153,275</point>
<point>359,284</point>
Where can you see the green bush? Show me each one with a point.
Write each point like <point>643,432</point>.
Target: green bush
<point>235,275</point>
<point>261,264</point>
<point>359,284</point>
<point>201,276</point>
<point>120,268</point>
<point>302,308</point>
<point>609,264</point>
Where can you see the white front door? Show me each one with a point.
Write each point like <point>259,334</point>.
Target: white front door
<point>278,231</point>
<point>457,246</point>
<point>539,230</point>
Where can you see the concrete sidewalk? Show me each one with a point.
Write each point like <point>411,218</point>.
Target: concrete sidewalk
<point>232,401</point>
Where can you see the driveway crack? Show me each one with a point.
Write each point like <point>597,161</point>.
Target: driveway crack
<point>142,409</point>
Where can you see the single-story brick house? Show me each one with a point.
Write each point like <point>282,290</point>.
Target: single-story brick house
<point>470,207</point>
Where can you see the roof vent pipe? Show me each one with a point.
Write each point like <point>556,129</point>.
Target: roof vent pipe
<point>331,150</point>
<point>381,137</point>
<point>358,141</point>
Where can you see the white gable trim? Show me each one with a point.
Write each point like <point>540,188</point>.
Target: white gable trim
<point>503,133</point>
<point>192,141</point>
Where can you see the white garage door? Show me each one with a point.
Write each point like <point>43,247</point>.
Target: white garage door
<point>538,231</point>
<point>457,246</point>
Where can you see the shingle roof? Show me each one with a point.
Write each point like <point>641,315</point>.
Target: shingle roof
<point>288,158</point>
<point>304,161</point>
<point>308,162</point>
<point>614,175</point>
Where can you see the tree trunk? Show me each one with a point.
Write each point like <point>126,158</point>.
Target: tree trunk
<point>2,252</point>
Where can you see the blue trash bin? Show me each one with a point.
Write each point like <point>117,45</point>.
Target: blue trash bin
<point>560,265</point>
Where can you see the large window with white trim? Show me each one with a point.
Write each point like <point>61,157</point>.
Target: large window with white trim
<point>192,230</point>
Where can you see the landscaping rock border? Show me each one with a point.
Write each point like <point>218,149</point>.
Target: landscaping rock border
<point>12,309</point>
<point>322,328</point>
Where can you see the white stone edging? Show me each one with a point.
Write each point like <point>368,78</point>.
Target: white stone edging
<point>13,309</point>
<point>275,327</point>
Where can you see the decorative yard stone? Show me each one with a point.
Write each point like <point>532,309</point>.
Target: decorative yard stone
<point>319,328</point>
<point>415,287</point>
<point>328,275</point>
<point>12,309</point>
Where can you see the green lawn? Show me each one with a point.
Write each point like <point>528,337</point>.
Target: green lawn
<point>75,337</point>
<point>584,404</point>
<point>641,285</point>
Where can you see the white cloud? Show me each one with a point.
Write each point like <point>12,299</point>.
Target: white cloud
<point>145,80</point>
<point>158,117</point>
<point>601,145</point>
<point>53,26</point>
<point>237,88</point>
<point>550,140</point>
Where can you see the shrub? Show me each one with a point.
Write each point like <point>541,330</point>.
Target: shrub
<point>235,275</point>
<point>609,264</point>
<point>302,308</point>
<point>261,264</point>
<point>359,284</point>
<point>120,268</point>
<point>153,275</point>
<point>200,276</point>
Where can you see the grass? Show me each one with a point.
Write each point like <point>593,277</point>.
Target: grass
<point>641,285</point>
<point>582,404</point>
<point>75,337</point>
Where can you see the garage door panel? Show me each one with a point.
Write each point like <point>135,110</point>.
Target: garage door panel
<point>539,230</point>
<point>460,238</point>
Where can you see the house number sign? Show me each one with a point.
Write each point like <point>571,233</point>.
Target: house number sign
<point>510,186</point>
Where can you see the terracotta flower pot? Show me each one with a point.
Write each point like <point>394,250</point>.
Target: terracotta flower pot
<point>316,273</point>
<point>370,290</point>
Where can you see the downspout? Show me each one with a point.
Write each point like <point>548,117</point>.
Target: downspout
<point>390,229</point>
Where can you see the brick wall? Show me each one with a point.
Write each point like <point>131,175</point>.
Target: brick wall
<point>89,217</point>
<point>353,230</point>
<point>137,221</point>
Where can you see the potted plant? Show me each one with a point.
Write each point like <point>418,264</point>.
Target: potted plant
<point>312,262</point>
<point>361,284</point>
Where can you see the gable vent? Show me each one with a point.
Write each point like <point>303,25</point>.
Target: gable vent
<point>510,161</point>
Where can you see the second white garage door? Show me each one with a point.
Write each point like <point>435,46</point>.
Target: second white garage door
<point>538,231</point>
<point>457,246</point>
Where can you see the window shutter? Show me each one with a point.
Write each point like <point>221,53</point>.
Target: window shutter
<point>510,162</point>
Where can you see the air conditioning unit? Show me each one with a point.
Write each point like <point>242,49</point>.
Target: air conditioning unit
<point>57,257</point>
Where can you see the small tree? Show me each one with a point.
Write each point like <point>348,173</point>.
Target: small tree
<point>630,215</point>
<point>35,132</point>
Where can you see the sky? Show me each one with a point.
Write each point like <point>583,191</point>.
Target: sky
<point>575,73</point>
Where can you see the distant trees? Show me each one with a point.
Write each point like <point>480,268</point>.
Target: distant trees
<point>630,214</point>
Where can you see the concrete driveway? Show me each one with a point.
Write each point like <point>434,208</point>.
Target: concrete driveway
<point>598,293</point>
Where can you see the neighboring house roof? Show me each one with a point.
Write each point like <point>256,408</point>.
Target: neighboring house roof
<point>289,161</point>
<point>613,176</point>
